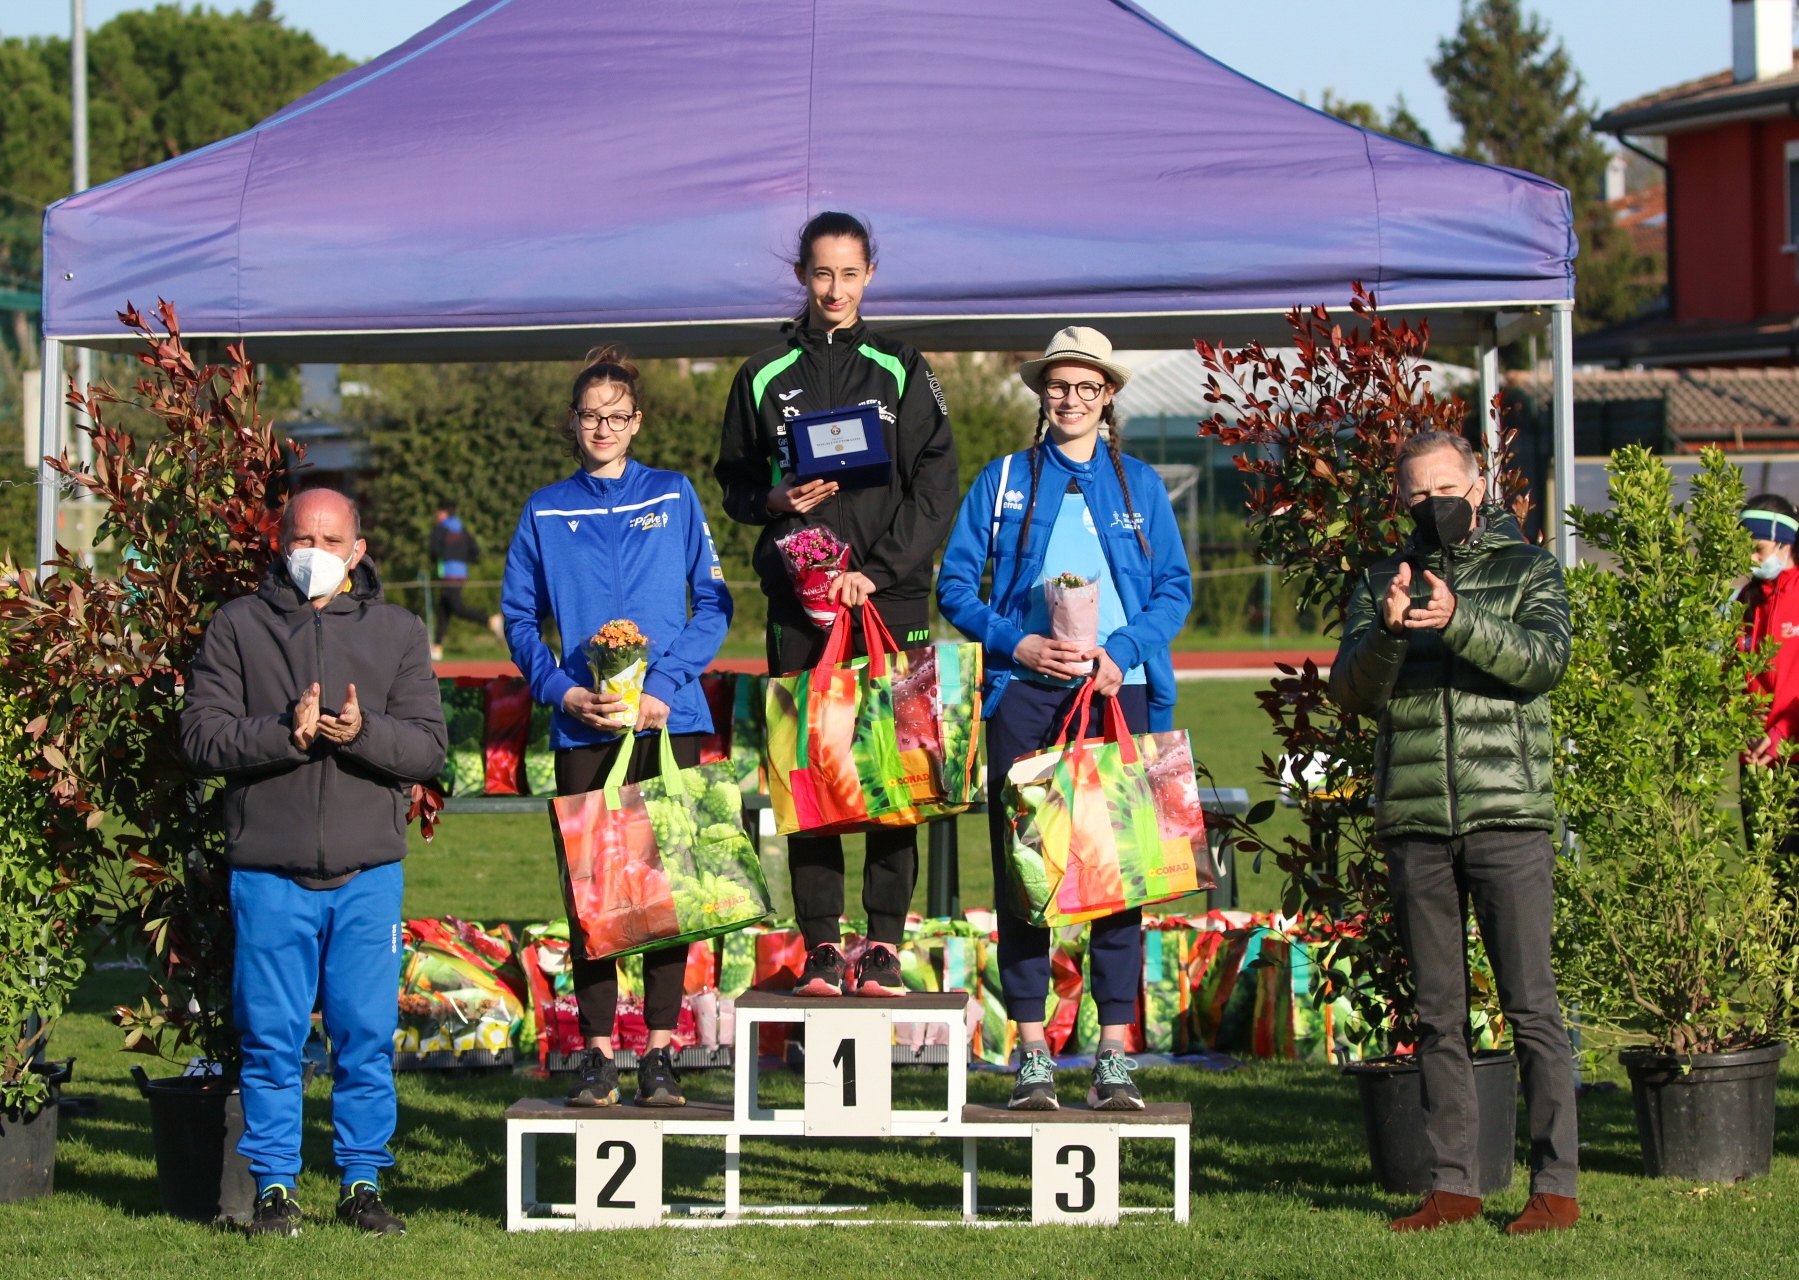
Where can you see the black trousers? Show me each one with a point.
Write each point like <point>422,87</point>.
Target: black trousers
<point>1026,721</point>
<point>1507,875</point>
<point>450,602</point>
<point>890,863</point>
<point>580,769</point>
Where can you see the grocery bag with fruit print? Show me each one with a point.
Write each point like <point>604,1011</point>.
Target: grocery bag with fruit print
<point>665,860</point>
<point>1086,837</point>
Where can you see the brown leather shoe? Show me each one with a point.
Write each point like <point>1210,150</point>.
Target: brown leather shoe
<point>1545,1213</point>
<point>1440,1209</point>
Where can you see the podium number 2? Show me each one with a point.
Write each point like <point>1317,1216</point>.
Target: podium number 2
<point>1082,1175</point>
<point>846,1058</point>
<point>627,1162</point>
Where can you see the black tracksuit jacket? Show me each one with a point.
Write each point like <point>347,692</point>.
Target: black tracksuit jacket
<point>893,531</point>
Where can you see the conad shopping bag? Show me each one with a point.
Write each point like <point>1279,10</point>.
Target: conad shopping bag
<point>540,760</point>
<point>747,731</point>
<point>834,757</point>
<point>1086,840</point>
<point>506,734</point>
<point>656,862</point>
<point>465,763</point>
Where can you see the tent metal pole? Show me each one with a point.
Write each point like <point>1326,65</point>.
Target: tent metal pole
<point>1561,363</point>
<point>49,485</point>
<point>1486,353</point>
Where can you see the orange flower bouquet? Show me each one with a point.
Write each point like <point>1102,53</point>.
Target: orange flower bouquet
<point>617,657</point>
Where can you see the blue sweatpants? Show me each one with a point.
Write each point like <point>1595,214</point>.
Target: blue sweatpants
<point>1026,721</point>
<point>291,941</point>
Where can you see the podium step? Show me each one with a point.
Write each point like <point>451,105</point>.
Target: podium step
<point>1080,1113</point>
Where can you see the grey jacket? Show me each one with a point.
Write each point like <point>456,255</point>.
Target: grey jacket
<point>330,810</point>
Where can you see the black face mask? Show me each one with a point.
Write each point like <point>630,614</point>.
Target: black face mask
<point>1442,521</point>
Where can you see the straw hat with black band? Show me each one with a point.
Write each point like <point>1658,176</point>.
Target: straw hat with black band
<point>1076,344</point>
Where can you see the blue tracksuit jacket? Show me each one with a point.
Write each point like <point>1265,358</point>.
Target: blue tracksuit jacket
<point>588,551</point>
<point>1157,592</point>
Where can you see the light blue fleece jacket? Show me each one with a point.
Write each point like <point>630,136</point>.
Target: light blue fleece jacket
<point>1155,590</point>
<point>588,551</point>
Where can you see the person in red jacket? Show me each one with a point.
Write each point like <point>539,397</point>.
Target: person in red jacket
<point>1771,601</point>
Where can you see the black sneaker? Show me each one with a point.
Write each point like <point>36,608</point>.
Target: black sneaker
<point>878,972</point>
<point>658,1084</point>
<point>360,1207</point>
<point>1036,1087</point>
<point>823,975</point>
<point>276,1214</point>
<point>596,1081</point>
<point>1112,1088</point>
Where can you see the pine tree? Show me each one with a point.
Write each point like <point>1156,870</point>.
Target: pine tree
<point>1518,101</point>
<point>1399,121</point>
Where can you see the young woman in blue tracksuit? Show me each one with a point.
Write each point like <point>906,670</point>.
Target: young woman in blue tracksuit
<point>616,539</point>
<point>1071,503</point>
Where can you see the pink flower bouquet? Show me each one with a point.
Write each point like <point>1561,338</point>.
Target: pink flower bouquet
<point>815,556</point>
<point>1073,609</point>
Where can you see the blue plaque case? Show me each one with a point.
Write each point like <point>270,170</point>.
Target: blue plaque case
<point>845,445</point>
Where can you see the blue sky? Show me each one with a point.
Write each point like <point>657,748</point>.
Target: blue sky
<point>1622,47</point>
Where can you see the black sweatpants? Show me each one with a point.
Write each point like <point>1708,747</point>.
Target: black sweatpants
<point>890,865</point>
<point>1507,875</point>
<point>450,603</point>
<point>580,769</point>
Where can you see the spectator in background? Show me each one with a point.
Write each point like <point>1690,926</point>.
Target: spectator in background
<point>1771,616</point>
<point>454,549</point>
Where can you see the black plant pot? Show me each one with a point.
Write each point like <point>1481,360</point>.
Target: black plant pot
<point>1705,1117</point>
<point>1392,1092</point>
<point>196,1122</point>
<point>28,1142</point>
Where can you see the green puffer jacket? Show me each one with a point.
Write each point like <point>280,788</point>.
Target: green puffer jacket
<point>1464,724</point>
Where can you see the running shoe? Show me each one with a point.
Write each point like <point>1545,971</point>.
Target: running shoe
<point>878,972</point>
<point>277,1214</point>
<point>1112,1089</point>
<point>360,1207</point>
<point>1036,1087</point>
<point>658,1084</point>
<point>824,972</point>
<point>596,1081</point>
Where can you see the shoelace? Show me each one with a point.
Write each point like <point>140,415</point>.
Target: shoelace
<point>1113,1068</point>
<point>1036,1068</point>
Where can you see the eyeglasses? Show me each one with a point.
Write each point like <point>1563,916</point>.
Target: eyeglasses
<point>617,423</point>
<point>1059,390</point>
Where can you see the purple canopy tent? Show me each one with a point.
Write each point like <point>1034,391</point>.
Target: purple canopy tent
<point>526,177</point>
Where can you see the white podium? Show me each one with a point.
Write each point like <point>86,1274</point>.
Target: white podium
<point>848,1094</point>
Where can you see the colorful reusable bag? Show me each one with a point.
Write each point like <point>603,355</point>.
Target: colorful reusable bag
<point>1086,840</point>
<point>748,732</point>
<point>507,734</point>
<point>833,751</point>
<point>540,760</point>
<point>465,763</point>
<point>656,862</point>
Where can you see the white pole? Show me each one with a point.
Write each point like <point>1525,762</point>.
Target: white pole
<point>78,87</point>
<point>1561,363</point>
<point>50,407</point>
<point>1486,353</point>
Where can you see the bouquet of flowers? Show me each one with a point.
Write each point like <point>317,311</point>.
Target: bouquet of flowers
<point>815,556</point>
<point>616,655</point>
<point>1073,608</point>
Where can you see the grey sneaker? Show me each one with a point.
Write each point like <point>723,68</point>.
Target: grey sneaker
<point>277,1214</point>
<point>596,1081</point>
<point>1036,1087</point>
<point>360,1206</point>
<point>1112,1089</point>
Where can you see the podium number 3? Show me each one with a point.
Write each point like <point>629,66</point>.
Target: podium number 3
<point>1082,1175</point>
<point>627,1162</point>
<point>846,1058</point>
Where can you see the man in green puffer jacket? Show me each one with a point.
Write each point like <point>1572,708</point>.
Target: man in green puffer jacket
<point>1453,645</point>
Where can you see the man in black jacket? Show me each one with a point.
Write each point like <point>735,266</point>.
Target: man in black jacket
<point>834,361</point>
<point>318,705</point>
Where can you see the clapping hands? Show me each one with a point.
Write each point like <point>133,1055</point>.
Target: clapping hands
<point>310,725</point>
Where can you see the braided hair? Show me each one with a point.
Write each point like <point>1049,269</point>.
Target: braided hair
<point>1112,433</point>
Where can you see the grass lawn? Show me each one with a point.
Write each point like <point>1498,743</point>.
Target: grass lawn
<point>1280,1173</point>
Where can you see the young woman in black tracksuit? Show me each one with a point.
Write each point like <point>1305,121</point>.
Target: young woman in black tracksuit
<point>831,360</point>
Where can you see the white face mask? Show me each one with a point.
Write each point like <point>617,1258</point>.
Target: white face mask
<point>315,571</point>
<point>1770,567</point>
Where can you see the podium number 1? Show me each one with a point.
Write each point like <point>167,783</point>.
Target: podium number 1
<point>846,1058</point>
<point>627,1162</point>
<point>1082,1175</point>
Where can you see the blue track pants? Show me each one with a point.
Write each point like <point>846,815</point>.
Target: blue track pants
<point>294,946</point>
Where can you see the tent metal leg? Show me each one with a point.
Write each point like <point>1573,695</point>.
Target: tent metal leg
<point>1486,354</point>
<point>50,443</point>
<point>1561,357</point>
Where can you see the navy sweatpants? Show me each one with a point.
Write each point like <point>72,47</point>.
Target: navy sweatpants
<point>1026,721</point>
<point>290,941</point>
